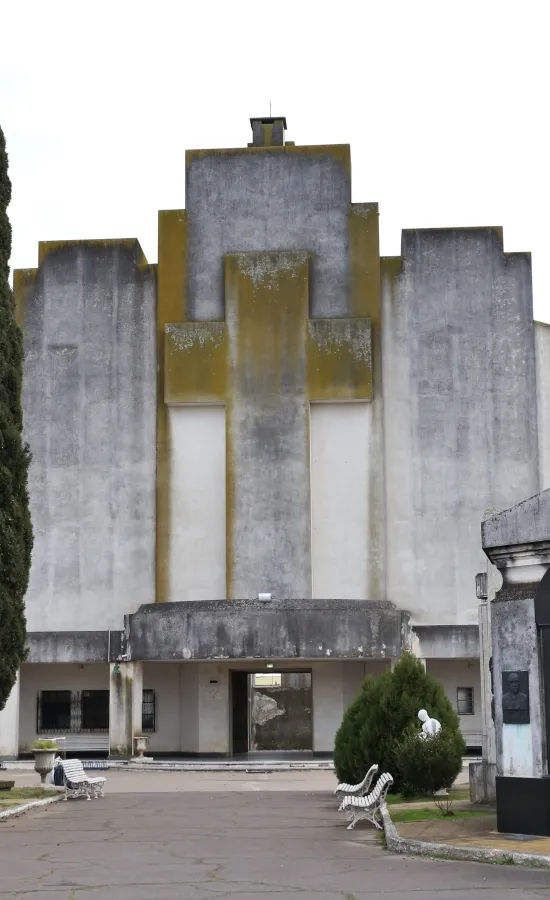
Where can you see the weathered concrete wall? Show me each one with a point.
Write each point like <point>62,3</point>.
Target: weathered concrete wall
<point>197,543</point>
<point>445,641</point>
<point>455,673</point>
<point>67,646</point>
<point>525,523</point>
<point>340,460</point>
<point>165,680</point>
<point>189,708</point>
<point>268,199</point>
<point>282,718</point>
<point>328,703</point>
<point>54,677</point>
<point>89,405</point>
<point>269,519</point>
<point>239,629</point>
<point>213,708</point>
<point>9,723</point>
<point>483,782</point>
<point>459,388</point>
<point>542,347</point>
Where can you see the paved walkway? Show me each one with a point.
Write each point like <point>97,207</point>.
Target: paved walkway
<point>249,839</point>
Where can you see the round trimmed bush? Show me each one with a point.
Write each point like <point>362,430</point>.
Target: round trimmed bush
<point>380,716</point>
<point>430,765</point>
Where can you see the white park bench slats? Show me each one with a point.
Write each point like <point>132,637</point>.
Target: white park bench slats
<point>356,790</point>
<point>368,807</point>
<point>78,783</point>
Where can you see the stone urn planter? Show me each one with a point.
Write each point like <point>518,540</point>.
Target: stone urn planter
<point>44,758</point>
<point>142,742</point>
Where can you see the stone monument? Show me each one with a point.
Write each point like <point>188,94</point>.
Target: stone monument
<point>517,542</point>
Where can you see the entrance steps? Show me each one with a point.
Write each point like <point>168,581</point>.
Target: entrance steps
<point>215,765</point>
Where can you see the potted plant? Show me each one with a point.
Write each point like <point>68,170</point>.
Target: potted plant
<point>44,757</point>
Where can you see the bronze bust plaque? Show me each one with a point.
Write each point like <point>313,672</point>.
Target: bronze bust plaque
<point>515,698</point>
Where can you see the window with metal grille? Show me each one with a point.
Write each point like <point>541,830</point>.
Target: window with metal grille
<point>53,711</point>
<point>465,701</point>
<point>148,711</point>
<point>95,710</point>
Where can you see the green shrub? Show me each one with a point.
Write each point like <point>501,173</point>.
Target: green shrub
<point>427,766</point>
<point>377,720</point>
<point>44,745</point>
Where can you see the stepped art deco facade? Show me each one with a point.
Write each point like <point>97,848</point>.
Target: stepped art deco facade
<point>268,454</point>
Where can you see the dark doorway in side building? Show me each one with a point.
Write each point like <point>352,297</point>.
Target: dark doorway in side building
<point>271,712</point>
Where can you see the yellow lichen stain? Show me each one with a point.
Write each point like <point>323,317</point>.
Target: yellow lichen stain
<point>391,268</point>
<point>195,363</point>
<point>339,359</point>
<point>267,300</point>
<point>171,308</point>
<point>339,152</point>
<point>365,261</point>
<point>267,297</point>
<point>24,281</point>
<point>49,248</point>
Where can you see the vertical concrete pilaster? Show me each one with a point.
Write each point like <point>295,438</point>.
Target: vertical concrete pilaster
<point>137,701</point>
<point>126,690</point>
<point>9,724</point>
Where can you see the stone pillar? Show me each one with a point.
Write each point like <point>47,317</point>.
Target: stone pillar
<point>126,690</point>
<point>517,541</point>
<point>9,724</point>
<point>494,581</point>
<point>137,702</point>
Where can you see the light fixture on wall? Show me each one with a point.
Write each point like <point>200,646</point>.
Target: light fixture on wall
<point>481,586</point>
<point>269,665</point>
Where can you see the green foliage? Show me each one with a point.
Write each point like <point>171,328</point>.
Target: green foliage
<point>426,766</point>
<point>377,720</point>
<point>15,522</point>
<point>44,745</point>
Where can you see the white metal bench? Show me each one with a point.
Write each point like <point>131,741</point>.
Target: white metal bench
<point>368,807</point>
<point>78,783</point>
<point>356,790</point>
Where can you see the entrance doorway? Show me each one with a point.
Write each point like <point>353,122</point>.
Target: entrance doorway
<point>271,712</point>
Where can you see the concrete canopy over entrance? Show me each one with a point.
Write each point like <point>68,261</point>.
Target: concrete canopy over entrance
<point>277,629</point>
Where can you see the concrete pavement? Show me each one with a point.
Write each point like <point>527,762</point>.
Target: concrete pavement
<point>251,842</point>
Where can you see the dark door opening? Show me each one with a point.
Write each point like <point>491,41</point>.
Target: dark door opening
<point>272,712</point>
<point>239,697</point>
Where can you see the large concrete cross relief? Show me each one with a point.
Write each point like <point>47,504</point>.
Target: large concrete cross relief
<point>267,361</point>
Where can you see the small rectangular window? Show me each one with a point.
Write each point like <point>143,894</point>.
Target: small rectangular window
<point>148,711</point>
<point>54,711</point>
<point>465,701</point>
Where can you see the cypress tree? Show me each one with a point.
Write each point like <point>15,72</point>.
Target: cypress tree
<point>15,521</point>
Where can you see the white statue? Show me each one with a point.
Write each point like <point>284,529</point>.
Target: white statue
<point>429,726</point>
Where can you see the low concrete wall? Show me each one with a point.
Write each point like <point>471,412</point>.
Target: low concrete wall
<point>482,782</point>
<point>68,646</point>
<point>447,641</point>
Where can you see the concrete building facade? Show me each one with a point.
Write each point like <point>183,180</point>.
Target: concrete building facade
<point>271,409</point>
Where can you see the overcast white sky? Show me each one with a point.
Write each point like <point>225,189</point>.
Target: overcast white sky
<point>445,106</point>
